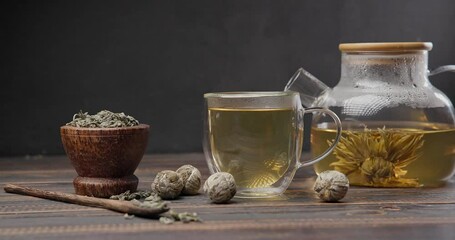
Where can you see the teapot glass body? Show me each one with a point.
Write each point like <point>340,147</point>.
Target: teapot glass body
<point>398,130</point>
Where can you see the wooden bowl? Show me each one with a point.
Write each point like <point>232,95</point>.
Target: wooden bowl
<point>105,158</point>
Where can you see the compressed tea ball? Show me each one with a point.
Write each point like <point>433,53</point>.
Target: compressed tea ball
<point>191,178</point>
<point>331,186</point>
<point>167,184</point>
<point>220,187</point>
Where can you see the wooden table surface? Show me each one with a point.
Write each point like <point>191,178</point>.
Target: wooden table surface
<point>366,213</point>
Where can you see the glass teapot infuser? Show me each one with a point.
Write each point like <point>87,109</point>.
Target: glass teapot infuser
<point>398,129</point>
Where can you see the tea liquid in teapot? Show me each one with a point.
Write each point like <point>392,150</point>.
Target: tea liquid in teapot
<point>405,156</point>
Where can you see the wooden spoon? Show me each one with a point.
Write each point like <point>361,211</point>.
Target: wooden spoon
<point>115,205</point>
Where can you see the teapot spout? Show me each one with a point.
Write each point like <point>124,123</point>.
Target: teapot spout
<point>309,87</point>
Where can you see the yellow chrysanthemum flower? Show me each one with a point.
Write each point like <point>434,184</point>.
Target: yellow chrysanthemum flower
<point>377,158</point>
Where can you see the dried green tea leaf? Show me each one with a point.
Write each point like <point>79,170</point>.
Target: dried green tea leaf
<point>167,220</point>
<point>184,217</point>
<point>128,216</point>
<point>127,196</point>
<point>103,119</point>
<point>147,199</point>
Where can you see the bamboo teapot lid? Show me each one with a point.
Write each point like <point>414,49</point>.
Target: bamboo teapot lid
<point>386,47</point>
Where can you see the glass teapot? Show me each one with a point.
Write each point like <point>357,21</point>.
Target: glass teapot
<point>398,129</point>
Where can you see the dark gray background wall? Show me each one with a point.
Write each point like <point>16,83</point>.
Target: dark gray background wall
<point>155,59</point>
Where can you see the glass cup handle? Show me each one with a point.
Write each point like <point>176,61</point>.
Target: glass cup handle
<point>337,121</point>
<point>441,69</point>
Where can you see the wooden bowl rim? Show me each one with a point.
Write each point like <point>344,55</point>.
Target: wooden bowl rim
<point>70,130</point>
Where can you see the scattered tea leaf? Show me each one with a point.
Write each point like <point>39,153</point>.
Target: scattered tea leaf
<point>167,220</point>
<point>147,199</point>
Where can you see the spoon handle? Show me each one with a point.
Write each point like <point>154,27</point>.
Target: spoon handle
<point>115,205</point>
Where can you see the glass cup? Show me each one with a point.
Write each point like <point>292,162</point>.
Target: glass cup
<point>258,137</point>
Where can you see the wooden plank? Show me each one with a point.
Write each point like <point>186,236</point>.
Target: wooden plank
<point>417,213</point>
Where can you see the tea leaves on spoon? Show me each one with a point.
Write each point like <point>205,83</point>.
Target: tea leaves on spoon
<point>148,199</point>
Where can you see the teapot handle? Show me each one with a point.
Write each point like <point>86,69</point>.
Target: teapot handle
<point>441,69</point>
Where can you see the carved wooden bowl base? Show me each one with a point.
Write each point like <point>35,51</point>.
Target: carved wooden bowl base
<point>104,187</point>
